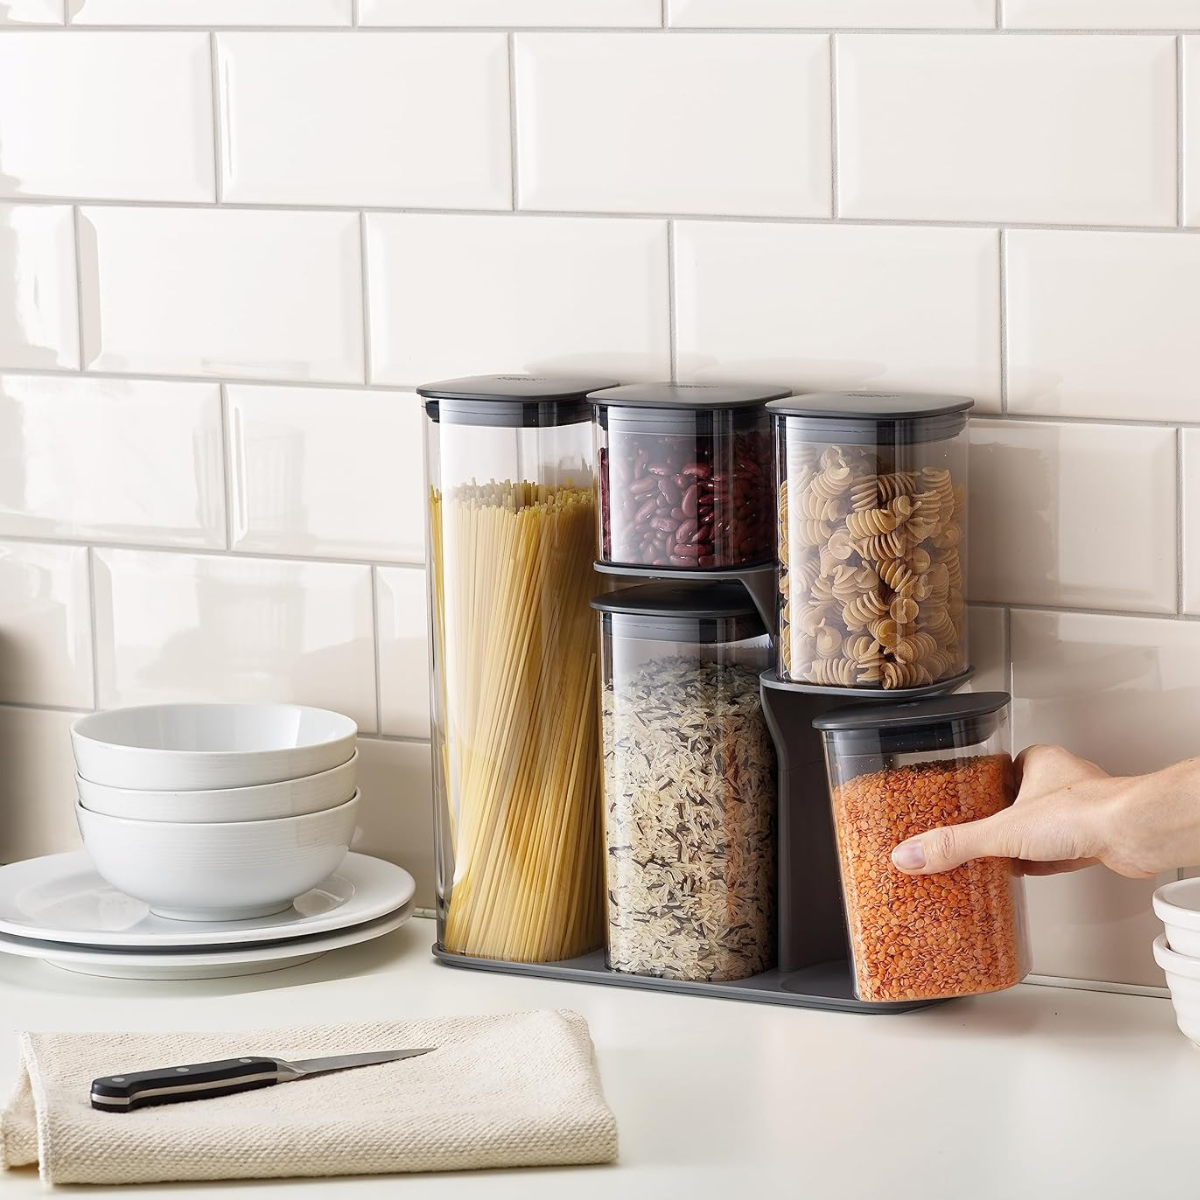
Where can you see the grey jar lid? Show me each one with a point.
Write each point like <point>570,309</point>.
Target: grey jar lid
<point>516,401</point>
<point>914,726</point>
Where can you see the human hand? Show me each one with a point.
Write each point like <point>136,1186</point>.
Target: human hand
<point>1070,814</point>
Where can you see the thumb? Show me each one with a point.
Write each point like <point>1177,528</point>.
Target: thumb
<point>952,845</point>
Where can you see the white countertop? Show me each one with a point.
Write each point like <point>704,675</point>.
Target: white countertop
<point>1037,1091</point>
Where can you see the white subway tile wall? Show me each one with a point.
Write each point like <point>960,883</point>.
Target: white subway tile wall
<point>235,235</point>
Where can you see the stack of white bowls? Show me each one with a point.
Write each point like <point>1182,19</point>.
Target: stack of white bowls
<point>216,812</point>
<point>1177,905</point>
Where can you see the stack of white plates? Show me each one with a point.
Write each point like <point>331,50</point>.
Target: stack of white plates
<point>217,842</point>
<point>59,909</point>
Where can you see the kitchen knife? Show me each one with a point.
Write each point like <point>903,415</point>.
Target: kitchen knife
<point>204,1081</point>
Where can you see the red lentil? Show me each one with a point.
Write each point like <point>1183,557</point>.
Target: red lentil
<point>919,937</point>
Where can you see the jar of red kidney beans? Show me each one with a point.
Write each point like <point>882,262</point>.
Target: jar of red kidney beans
<point>684,475</point>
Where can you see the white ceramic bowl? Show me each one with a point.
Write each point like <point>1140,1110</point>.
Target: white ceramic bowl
<point>1177,906</point>
<point>193,747</point>
<point>227,871</point>
<point>1183,978</point>
<point>267,802</point>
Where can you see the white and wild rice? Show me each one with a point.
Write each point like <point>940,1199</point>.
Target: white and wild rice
<point>689,798</point>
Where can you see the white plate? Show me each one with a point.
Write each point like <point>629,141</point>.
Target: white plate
<point>219,963</point>
<point>60,898</point>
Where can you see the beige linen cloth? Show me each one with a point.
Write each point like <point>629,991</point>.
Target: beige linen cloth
<point>519,1090</point>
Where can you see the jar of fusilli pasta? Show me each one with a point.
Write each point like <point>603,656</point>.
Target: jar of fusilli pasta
<point>684,476</point>
<point>871,538</point>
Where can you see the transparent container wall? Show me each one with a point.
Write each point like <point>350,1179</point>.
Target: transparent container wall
<point>515,682</point>
<point>872,551</point>
<point>689,798</point>
<point>685,489</point>
<point>958,933</point>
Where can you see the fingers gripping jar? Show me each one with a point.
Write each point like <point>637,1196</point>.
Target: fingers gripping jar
<point>688,782</point>
<point>515,671</point>
<point>872,532</point>
<point>898,770</point>
<point>684,475</point>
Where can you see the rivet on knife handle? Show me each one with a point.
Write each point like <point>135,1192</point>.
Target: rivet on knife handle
<point>169,1085</point>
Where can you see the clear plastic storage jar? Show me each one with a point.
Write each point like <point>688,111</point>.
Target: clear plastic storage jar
<point>515,668</point>
<point>684,475</point>
<point>688,782</point>
<point>897,770</point>
<point>872,531</point>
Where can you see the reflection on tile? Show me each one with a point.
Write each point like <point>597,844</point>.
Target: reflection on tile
<point>233,292</point>
<point>905,308</point>
<point>320,471</point>
<point>985,630</point>
<point>1191,521</point>
<point>211,12</point>
<point>316,118</point>
<point>512,14</point>
<point>111,458</point>
<point>1103,324</point>
<point>1073,515</point>
<point>108,116</point>
<point>843,14</point>
<point>31,12</point>
<point>37,785</point>
<point>543,294</point>
<point>1101,14</point>
<point>396,780</point>
<point>698,124</point>
<point>183,627</point>
<point>1094,925</point>
<point>403,652</point>
<point>1047,129</point>
<point>39,323</point>
<point>1122,691</point>
<point>45,625</point>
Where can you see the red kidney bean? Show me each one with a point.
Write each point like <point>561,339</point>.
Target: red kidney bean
<point>646,511</point>
<point>705,500</point>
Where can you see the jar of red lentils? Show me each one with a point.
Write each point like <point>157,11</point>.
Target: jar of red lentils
<point>684,476</point>
<point>897,770</point>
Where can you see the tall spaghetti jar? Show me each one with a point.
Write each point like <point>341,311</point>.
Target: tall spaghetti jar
<point>515,672</point>
<point>872,531</point>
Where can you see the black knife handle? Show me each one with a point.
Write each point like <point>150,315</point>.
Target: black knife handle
<point>170,1085</point>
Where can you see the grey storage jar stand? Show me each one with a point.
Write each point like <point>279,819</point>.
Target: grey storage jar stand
<point>812,965</point>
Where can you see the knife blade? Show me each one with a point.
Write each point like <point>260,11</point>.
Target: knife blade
<point>206,1081</point>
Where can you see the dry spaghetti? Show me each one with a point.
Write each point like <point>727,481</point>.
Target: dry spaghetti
<point>517,726</point>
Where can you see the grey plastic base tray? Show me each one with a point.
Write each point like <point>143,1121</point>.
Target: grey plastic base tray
<point>826,985</point>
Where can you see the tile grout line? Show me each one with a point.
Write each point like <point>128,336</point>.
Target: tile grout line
<point>998,16</point>
<point>76,223</point>
<point>971,31</point>
<point>1067,610</point>
<point>513,164</point>
<point>782,219</point>
<point>1180,521</point>
<point>368,365</point>
<point>376,644</point>
<point>217,137</point>
<point>226,462</point>
<point>233,555</point>
<point>253,381</point>
<point>94,623</point>
<point>1003,273</point>
<point>834,158</point>
<point>34,707</point>
<point>1010,679</point>
<point>672,325</point>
